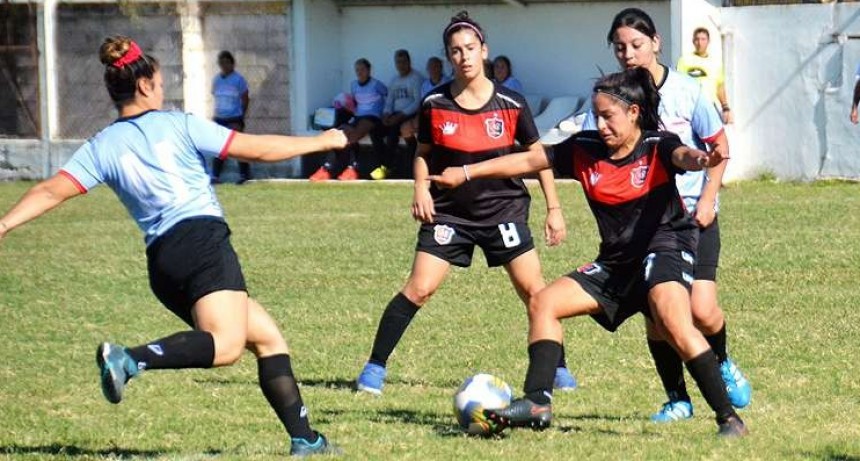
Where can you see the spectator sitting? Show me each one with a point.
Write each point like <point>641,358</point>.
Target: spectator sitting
<point>504,75</point>
<point>404,99</point>
<point>231,104</point>
<point>369,96</point>
<point>435,77</point>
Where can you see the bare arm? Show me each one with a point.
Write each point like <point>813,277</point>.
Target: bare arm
<point>274,148</point>
<point>726,111</point>
<point>507,166</point>
<point>690,159</point>
<point>37,201</point>
<point>854,101</point>
<point>705,212</point>
<point>422,202</point>
<point>555,229</point>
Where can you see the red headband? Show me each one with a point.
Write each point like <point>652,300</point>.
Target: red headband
<point>467,25</point>
<point>131,55</point>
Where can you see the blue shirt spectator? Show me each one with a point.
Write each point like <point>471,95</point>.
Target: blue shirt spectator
<point>503,75</point>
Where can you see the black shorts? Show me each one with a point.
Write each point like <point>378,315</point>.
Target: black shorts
<point>454,243</point>
<point>708,252</point>
<point>234,123</point>
<point>622,291</point>
<point>193,259</point>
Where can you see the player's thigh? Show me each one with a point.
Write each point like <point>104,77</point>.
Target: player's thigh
<point>525,274</point>
<point>363,127</point>
<point>707,314</point>
<point>563,298</point>
<point>428,273</point>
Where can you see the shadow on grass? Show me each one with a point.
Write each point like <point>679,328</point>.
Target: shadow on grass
<point>832,454</point>
<point>440,424</point>
<point>76,451</point>
<point>337,383</point>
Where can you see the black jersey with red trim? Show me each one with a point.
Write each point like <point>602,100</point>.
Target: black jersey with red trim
<point>458,136</point>
<point>634,199</point>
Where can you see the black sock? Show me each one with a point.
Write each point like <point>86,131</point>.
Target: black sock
<point>670,368</point>
<point>279,387</point>
<point>543,358</point>
<point>718,344</point>
<point>562,359</point>
<point>703,368</point>
<point>392,325</point>
<point>186,349</point>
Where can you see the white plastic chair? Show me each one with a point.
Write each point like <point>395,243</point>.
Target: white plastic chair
<point>558,109</point>
<point>535,102</point>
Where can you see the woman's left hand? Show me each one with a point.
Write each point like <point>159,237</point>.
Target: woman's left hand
<point>705,213</point>
<point>555,229</point>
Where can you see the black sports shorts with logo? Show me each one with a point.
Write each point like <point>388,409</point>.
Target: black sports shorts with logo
<point>193,259</point>
<point>454,243</point>
<point>622,291</point>
<point>708,253</point>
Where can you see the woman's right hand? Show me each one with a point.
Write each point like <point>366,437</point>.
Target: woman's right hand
<point>333,139</point>
<point>422,203</point>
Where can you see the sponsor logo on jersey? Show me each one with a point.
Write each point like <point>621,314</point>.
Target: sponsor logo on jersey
<point>590,269</point>
<point>156,349</point>
<point>443,234</point>
<point>638,175</point>
<point>448,128</point>
<point>697,72</point>
<point>495,126</point>
<point>593,178</point>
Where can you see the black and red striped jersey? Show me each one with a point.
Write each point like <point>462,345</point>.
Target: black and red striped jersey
<point>460,137</point>
<point>634,199</point>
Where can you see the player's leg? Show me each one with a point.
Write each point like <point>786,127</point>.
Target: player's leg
<point>670,369</point>
<point>669,301</point>
<point>563,298</point>
<point>278,383</point>
<point>408,130</point>
<point>428,273</point>
<point>527,279</point>
<point>709,318</point>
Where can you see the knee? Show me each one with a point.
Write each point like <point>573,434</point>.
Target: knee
<point>539,307</point>
<point>228,348</point>
<point>419,293</point>
<point>708,318</point>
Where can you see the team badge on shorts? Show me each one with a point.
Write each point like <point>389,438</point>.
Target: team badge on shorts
<point>638,175</point>
<point>590,269</point>
<point>495,126</point>
<point>443,234</point>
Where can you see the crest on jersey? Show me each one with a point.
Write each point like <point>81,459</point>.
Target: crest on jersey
<point>443,234</point>
<point>638,175</point>
<point>495,126</point>
<point>590,269</point>
<point>593,177</point>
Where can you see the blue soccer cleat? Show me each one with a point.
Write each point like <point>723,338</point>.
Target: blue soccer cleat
<point>737,386</point>
<point>564,380</point>
<point>673,410</point>
<point>116,367</point>
<point>371,379</point>
<point>321,446</point>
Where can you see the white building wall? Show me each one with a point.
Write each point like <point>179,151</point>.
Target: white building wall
<point>792,84</point>
<point>555,49</point>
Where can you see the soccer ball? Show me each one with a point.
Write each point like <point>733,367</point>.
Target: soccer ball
<point>478,393</point>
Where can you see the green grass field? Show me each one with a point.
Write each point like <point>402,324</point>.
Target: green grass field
<point>325,259</point>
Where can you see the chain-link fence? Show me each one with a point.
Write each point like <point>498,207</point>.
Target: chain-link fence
<point>256,32</point>
<point>19,71</point>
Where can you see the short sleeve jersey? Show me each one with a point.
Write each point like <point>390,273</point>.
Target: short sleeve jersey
<point>687,112</point>
<point>228,91</point>
<point>369,98</point>
<point>155,162</point>
<point>458,136</point>
<point>634,200</point>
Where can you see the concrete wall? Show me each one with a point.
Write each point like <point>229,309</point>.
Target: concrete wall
<point>84,104</point>
<point>792,83</point>
<point>555,49</point>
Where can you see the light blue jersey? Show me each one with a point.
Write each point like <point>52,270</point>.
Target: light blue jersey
<point>228,91</point>
<point>686,111</point>
<point>512,83</point>
<point>155,162</point>
<point>369,98</point>
<point>427,86</point>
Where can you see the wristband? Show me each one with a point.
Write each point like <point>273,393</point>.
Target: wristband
<point>466,172</point>
<point>726,108</point>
